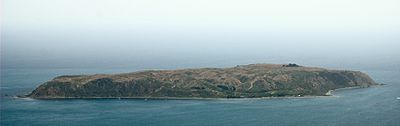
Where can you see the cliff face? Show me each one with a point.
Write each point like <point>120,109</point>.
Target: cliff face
<point>256,80</point>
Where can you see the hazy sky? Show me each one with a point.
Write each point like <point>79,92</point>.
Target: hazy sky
<point>186,33</point>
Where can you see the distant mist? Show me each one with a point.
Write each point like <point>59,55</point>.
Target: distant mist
<point>125,34</point>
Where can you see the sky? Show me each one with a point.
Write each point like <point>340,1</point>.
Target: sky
<point>166,34</point>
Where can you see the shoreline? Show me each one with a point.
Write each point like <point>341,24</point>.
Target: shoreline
<point>327,94</point>
<point>171,98</point>
<point>330,92</point>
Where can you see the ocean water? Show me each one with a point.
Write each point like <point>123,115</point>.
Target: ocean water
<point>375,106</point>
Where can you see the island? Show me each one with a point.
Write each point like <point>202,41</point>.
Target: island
<point>242,81</point>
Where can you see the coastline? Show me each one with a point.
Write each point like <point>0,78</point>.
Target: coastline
<point>330,93</point>
<point>168,98</point>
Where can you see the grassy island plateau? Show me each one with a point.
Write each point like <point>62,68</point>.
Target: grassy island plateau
<point>242,81</point>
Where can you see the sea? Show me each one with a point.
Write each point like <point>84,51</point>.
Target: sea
<point>374,106</point>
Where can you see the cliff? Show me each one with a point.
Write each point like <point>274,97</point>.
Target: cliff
<point>244,81</point>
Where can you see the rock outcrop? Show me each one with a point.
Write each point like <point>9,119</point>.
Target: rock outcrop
<point>244,81</point>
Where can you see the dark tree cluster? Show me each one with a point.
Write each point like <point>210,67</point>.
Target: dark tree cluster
<point>291,65</point>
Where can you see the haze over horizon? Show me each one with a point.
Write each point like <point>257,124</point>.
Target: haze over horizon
<point>174,34</point>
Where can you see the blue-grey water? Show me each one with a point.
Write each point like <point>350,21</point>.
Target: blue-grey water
<point>375,106</point>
